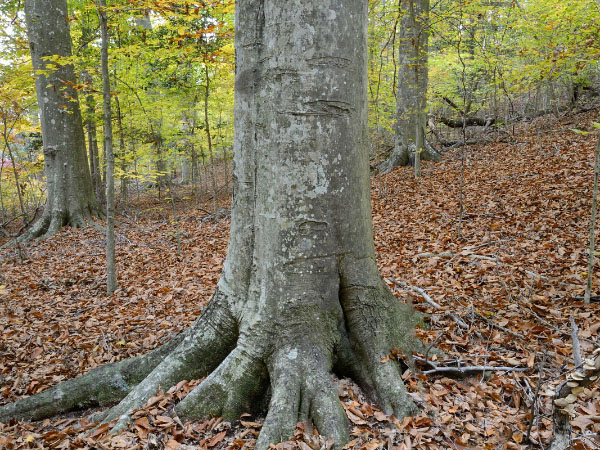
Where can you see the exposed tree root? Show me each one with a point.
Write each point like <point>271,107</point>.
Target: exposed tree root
<point>102,386</point>
<point>405,156</point>
<point>302,391</point>
<point>203,347</point>
<point>233,388</point>
<point>290,356</point>
<point>52,222</point>
<point>377,325</point>
<point>109,384</point>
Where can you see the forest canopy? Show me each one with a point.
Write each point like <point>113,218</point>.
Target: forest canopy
<point>505,60</point>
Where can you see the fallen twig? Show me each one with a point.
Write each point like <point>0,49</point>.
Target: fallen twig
<point>461,323</point>
<point>544,278</point>
<point>549,325</point>
<point>593,298</point>
<point>418,290</point>
<point>506,330</point>
<point>476,247</point>
<point>576,345</point>
<point>430,346</point>
<point>535,397</point>
<point>484,257</point>
<point>447,254</point>
<point>465,370</point>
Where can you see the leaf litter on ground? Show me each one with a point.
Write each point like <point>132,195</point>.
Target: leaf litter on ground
<point>505,290</point>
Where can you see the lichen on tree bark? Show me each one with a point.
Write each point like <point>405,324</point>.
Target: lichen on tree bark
<point>300,296</point>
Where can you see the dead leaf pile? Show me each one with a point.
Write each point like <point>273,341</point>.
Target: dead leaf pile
<point>505,292</point>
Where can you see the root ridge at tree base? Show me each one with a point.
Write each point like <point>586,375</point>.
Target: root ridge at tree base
<point>297,375</point>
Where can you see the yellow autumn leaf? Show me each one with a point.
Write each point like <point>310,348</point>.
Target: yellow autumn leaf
<point>517,437</point>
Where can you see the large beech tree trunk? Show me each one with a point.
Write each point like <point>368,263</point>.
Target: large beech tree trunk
<point>300,296</point>
<point>413,79</point>
<point>70,197</point>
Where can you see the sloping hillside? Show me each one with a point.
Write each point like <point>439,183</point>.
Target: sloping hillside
<point>505,292</point>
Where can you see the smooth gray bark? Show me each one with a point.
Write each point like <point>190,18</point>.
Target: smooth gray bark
<point>93,153</point>
<point>111,270</point>
<point>70,197</point>
<point>413,79</point>
<point>300,296</point>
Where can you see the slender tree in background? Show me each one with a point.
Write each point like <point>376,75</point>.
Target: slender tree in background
<point>413,79</point>
<point>590,270</point>
<point>300,295</point>
<point>88,36</point>
<point>209,139</point>
<point>111,271</point>
<point>93,153</point>
<point>6,130</point>
<point>70,197</point>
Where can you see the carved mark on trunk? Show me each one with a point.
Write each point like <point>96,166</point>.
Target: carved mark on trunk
<point>309,226</point>
<point>331,108</point>
<point>329,61</point>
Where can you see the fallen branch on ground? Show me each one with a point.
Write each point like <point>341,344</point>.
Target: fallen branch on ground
<point>535,397</point>
<point>464,371</point>
<point>469,122</point>
<point>468,370</point>
<point>418,290</point>
<point>593,298</point>
<point>447,254</point>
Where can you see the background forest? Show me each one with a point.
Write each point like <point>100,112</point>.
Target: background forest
<point>490,236</point>
<point>171,70</point>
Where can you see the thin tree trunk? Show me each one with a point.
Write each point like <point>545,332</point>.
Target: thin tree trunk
<point>225,163</point>
<point>461,206</point>
<point>122,153</point>
<point>132,152</point>
<point>420,38</point>
<point>14,167</point>
<point>195,174</point>
<point>1,190</point>
<point>209,139</point>
<point>160,165</point>
<point>175,216</point>
<point>94,156</point>
<point>195,168</point>
<point>590,270</point>
<point>111,271</point>
<point>204,180</point>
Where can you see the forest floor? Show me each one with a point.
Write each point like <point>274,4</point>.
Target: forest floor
<point>505,291</point>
